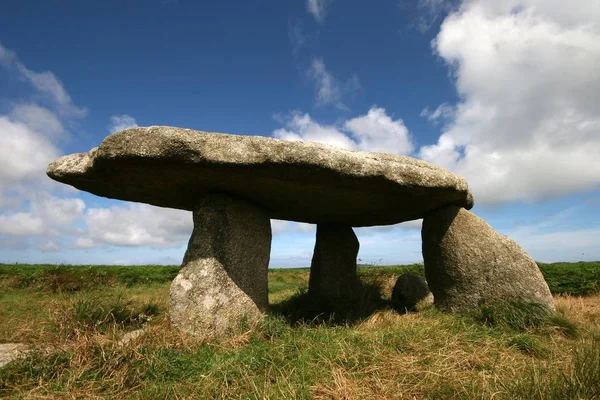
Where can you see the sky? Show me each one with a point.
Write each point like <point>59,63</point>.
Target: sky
<point>505,93</point>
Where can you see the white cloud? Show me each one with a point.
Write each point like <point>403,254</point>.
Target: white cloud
<point>375,131</point>
<point>572,245</point>
<point>278,226</point>
<point>45,83</point>
<point>48,84</point>
<point>551,238</point>
<point>329,90</point>
<point>301,127</point>
<point>136,225</point>
<point>528,125</point>
<point>83,243</point>
<point>38,119</point>
<point>57,212</point>
<point>121,122</point>
<point>21,224</point>
<point>24,153</point>
<point>318,9</point>
<point>443,111</point>
<point>48,246</point>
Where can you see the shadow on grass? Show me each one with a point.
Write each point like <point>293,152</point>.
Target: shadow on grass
<point>306,308</point>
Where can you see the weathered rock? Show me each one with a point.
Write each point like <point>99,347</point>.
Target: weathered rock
<point>409,290</point>
<point>223,280</point>
<point>132,336</point>
<point>467,263</point>
<point>333,269</point>
<point>299,181</point>
<point>11,351</point>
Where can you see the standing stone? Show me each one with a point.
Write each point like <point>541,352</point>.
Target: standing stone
<point>410,289</point>
<point>333,269</point>
<point>223,279</point>
<point>467,263</point>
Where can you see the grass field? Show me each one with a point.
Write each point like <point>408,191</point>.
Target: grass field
<point>75,318</point>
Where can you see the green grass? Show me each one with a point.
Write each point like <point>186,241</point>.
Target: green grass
<point>57,278</point>
<point>366,350</point>
<point>577,279</point>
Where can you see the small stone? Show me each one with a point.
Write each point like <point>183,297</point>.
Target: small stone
<point>223,280</point>
<point>467,263</point>
<point>409,290</point>
<point>131,336</point>
<point>11,351</point>
<point>333,268</point>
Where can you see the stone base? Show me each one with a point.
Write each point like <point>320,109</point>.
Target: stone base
<point>467,263</point>
<point>333,269</point>
<point>222,284</point>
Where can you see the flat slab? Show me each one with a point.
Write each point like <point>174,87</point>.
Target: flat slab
<point>297,181</point>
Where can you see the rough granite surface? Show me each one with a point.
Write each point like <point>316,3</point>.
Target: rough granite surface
<point>11,351</point>
<point>409,290</point>
<point>223,279</point>
<point>333,268</point>
<point>298,181</point>
<point>468,263</point>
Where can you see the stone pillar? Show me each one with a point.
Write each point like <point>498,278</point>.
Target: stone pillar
<point>333,268</point>
<point>223,279</point>
<point>467,263</point>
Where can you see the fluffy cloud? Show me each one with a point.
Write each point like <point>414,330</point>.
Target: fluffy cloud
<point>21,224</point>
<point>29,136</point>
<point>24,152</point>
<point>121,122</point>
<point>329,90</point>
<point>375,131</point>
<point>39,119</point>
<point>56,211</point>
<point>135,225</point>
<point>528,125</point>
<point>301,127</point>
<point>318,9</point>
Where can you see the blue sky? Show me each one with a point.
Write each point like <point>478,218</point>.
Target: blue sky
<point>502,92</point>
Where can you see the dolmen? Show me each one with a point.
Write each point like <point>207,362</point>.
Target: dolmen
<point>234,185</point>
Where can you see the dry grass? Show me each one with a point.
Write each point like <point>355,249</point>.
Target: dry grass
<point>424,355</point>
<point>582,310</point>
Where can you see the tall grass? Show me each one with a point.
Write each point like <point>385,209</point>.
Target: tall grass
<point>579,379</point>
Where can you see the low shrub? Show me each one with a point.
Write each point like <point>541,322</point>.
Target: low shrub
<point>576,279</point>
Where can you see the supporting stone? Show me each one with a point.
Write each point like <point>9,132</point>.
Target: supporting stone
<point>467,263</point>
<point>333,269</point>
<point>223,280</point>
